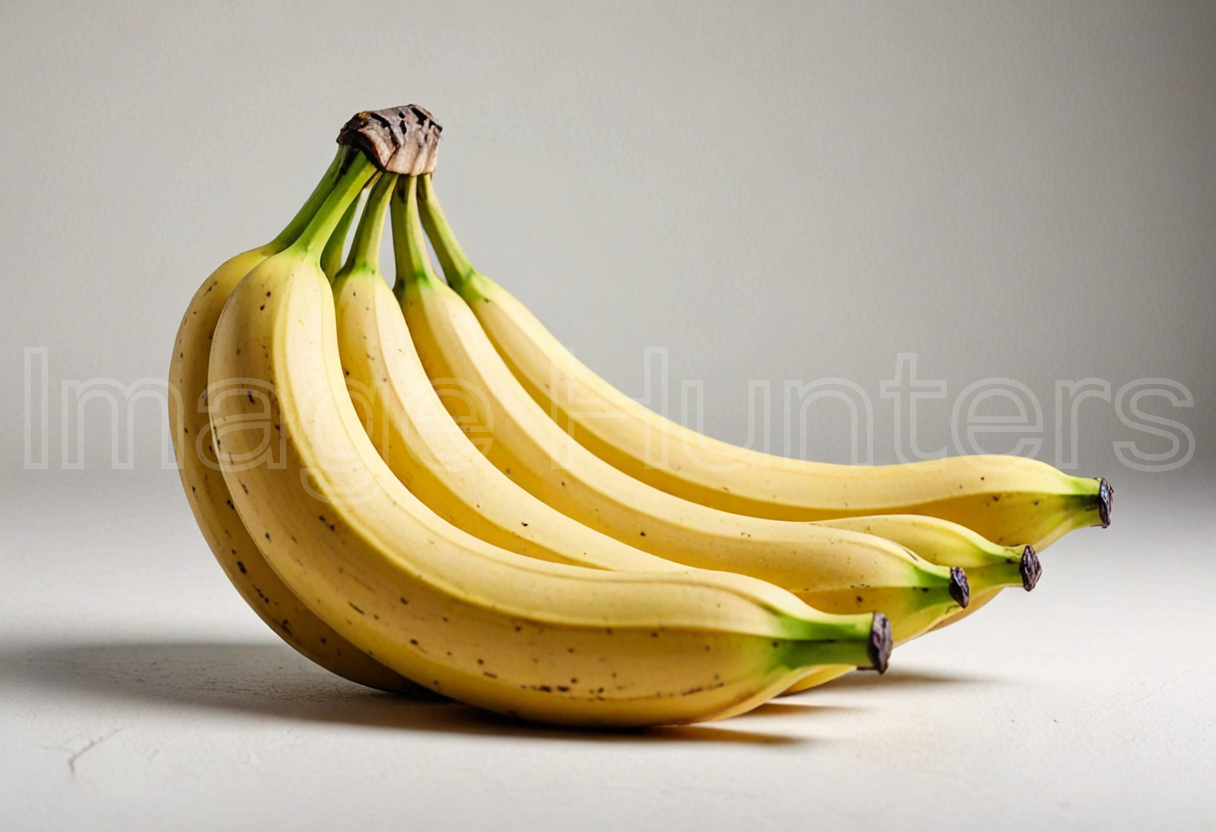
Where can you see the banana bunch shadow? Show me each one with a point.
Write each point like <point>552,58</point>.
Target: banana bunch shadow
<point>270,681</point>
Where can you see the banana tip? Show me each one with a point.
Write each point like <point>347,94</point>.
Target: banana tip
<point>960,589</point>
<point>1106,501</point>
<point>1030,568</point>
<point>881,642</point>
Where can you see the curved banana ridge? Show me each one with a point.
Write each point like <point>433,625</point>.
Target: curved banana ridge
<point>1009,500</point>
<point>208,494</point>
<point>834,570</point>
<point>513,634</point>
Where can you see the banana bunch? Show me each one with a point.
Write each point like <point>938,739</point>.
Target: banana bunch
<point>419,489</point>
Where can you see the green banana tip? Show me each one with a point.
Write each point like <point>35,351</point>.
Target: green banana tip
<point>881,643</point>
<point>960,589</point>
<point>1106,501</point>
<point>1029,568</point>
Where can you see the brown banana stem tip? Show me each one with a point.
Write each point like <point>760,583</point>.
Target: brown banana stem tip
<point>1106,501</point>
<point>402,140</point>
<point>881,643</point>
<point>960,589</point>
<point>1029,568</point>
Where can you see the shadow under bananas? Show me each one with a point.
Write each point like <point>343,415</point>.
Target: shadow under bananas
<point>894,678</point>
<point>272,681</point>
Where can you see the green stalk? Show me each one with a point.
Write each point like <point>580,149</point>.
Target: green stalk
<point>456,266</point>
<point>331,257</point>
<point>300,221</point>
<point>357,172</point>
<point>365,249</point>
<point>409,246</point>
<point>860,640</point>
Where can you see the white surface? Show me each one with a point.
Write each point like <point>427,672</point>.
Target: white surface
<point>137,692</point>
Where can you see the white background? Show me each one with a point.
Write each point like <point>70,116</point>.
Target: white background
<point>770,192</point>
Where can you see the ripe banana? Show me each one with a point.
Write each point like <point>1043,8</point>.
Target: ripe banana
<point>418,439</point>
<point>508,633</point>
<point>207,492</point>
<point>429,453</point>
<point>836,571</point>
<point>990,566</point>
<point>1009,500</point>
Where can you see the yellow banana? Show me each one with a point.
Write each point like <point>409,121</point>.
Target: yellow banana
<point>420,442</point>
<point>512,634</point>
<point>990,566</point>
<point>836,571</point>
<point>207,492</point>
<point>430,454</point>
<point>1009,500</point>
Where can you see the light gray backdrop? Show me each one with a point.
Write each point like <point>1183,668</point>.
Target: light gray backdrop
<point>769,192</point>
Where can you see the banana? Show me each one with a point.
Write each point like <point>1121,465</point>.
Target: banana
<point>837,571</point>
<point>1009,500</point>
<point>207,492</point>
<point>418,439</point>
<point>990,566</point>
<point>512,634</point>
<point>429,453</point>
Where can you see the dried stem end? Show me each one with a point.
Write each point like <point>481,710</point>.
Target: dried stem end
<point>1029,568</point>
<point>960,589</point>
<point>1106,501</point>
<point>881,643</point>
<point>402,140</point>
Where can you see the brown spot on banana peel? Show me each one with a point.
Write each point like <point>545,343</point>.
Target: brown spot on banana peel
<point>1029,568</point>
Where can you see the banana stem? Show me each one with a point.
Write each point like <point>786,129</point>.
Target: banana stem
<point>365,249</point>
<point>355,174</point>
<point>456,266</point>
<point>300,221</point>
<point>331,257</point>
<point>409,246</point>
